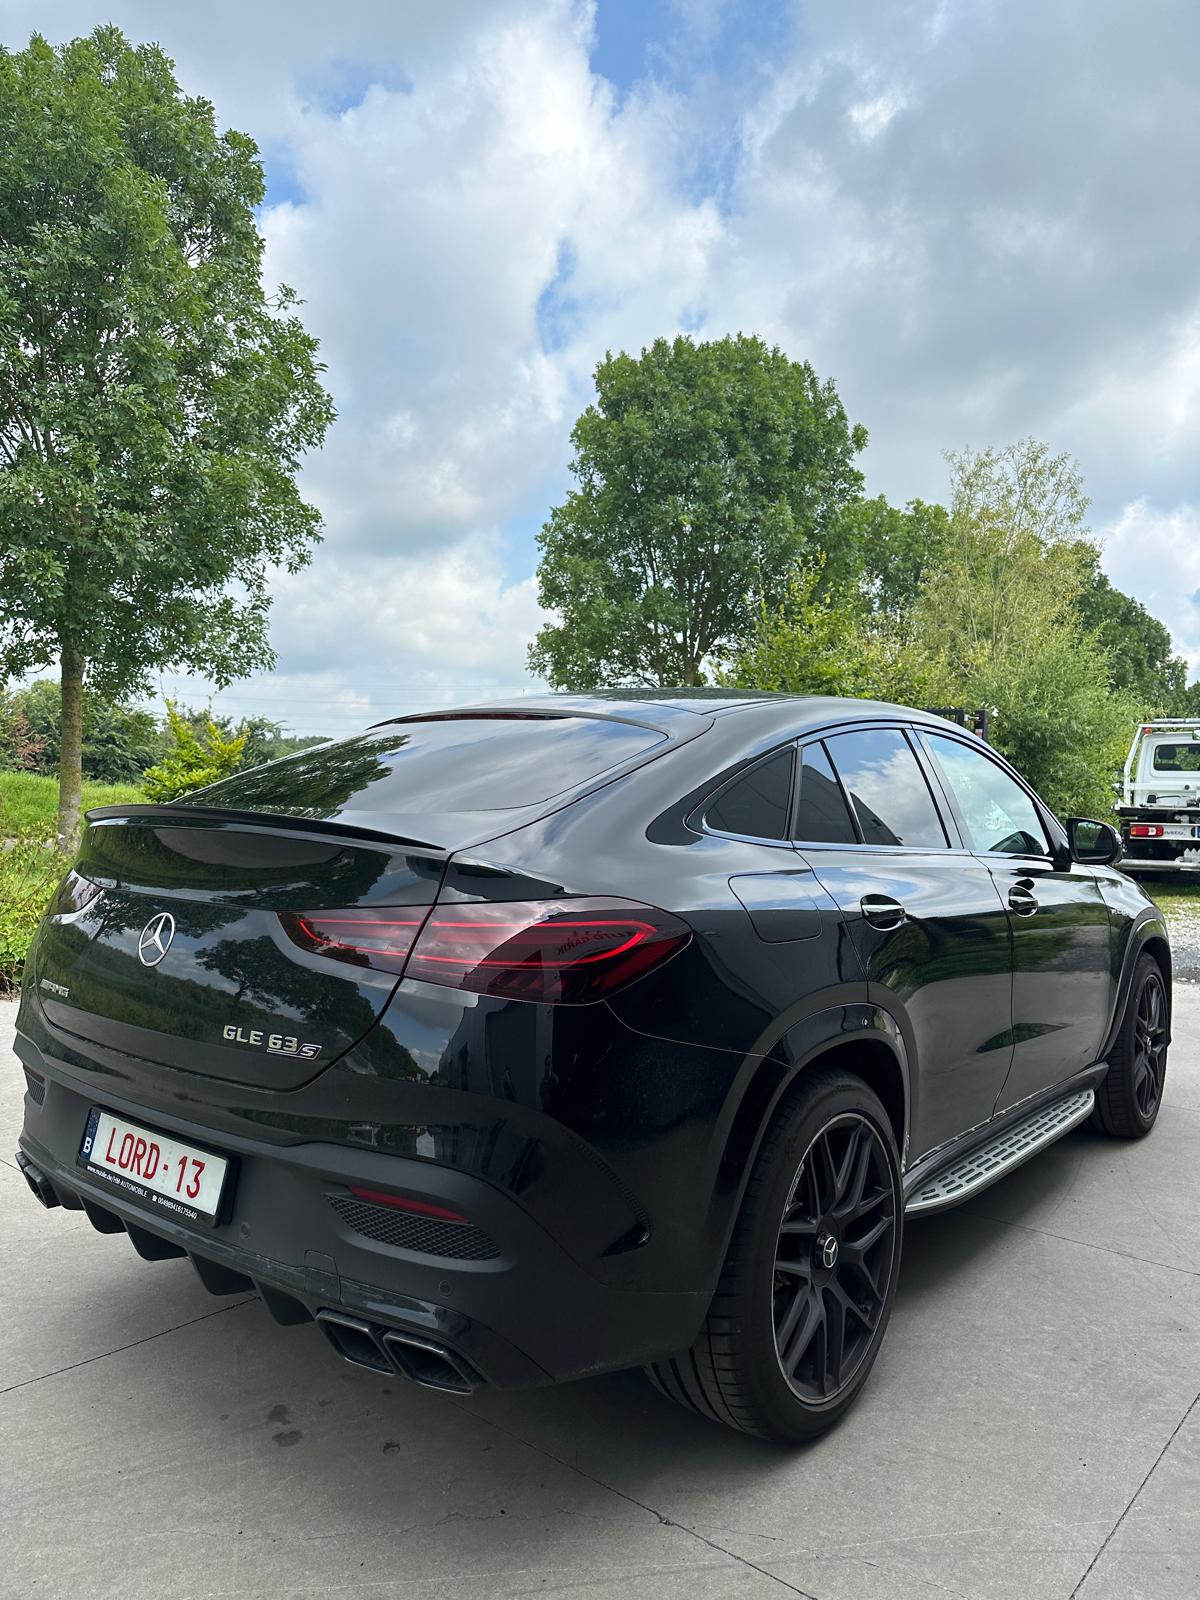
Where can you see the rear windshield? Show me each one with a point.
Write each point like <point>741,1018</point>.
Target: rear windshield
<point>1177,758</point>
<point>449,764</point>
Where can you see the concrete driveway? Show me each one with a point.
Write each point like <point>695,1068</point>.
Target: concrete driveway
<point>1032,1428</point>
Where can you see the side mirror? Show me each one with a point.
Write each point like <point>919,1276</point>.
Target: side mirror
<point>1095,844</point>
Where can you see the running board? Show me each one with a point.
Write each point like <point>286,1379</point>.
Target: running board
<point>1007,1150</point>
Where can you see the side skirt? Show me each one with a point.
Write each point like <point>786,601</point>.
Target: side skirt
<point>964,1168</point>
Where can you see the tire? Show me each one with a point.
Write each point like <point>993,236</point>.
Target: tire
<point>828,1170</point>
<point>1129,1095</point>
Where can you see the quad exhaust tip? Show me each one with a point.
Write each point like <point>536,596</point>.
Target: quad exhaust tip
<point>397,1354</point>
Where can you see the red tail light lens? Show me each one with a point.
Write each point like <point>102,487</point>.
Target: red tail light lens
<point>1146,830</point>
<point>568,952</point>
<point>379,939</point>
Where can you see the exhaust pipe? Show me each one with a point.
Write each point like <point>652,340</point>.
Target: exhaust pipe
<point>398,1354</point>
<point>40,1186</point>
<point>430,1365</point>
<point>355,1341</point>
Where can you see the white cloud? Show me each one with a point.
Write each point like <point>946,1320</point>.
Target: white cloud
<point>978,218</point>
<point>1156,555</point>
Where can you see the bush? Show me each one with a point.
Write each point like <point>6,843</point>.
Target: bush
<point>29,870</point>
<point>197,759</point>
<point>29,866</point>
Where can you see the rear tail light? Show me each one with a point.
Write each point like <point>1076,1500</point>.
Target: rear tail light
<point>377,939</point>
<point>1146,830</point>
<point>567,952</point>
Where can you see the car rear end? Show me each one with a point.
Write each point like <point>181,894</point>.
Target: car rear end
<point>1159,813</point>
<point>299,1031</point>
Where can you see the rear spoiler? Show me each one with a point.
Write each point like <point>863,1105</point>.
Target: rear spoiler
<point>175,811</point>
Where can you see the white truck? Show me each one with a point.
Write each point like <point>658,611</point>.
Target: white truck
<point>1159,805</point>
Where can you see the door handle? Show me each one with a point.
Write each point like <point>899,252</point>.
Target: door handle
<point>1022,900</point>
<point>881,911</point>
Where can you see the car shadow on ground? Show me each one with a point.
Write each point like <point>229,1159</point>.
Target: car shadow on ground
<point>620,1422</point>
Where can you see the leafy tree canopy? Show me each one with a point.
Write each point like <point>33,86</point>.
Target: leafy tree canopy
<point>1138,646</point>
<point>154,401</point>
<point>705,473</point>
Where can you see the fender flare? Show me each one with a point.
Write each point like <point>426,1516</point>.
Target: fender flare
<point>804,1044</point>
<point>1150,926</point>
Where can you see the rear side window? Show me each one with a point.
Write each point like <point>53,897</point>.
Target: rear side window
<point>484,763</point>
<point>887,788</point>
<point>822,816</point>
<point>998,813</point>
<point>757,803</point>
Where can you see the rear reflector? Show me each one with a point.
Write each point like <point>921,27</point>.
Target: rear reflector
<point>401,1202</point>
<point>566,952</point>
<point>1146,830</point>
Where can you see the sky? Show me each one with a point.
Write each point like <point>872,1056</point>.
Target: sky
<point>980,218</point>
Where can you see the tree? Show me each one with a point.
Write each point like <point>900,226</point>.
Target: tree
<point>705,473</point>
<point>154,401</point>
<point>896,549</point>
<point>119,741</point>
<point>1138,646</point>
<point>996,623</point>
<point>195,759</point>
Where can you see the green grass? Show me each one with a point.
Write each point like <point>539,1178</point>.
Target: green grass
<point>29,865</point>
<point>1176,896</point>
<point>28,803</point>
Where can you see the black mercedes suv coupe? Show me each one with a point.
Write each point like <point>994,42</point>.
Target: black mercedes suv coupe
<point>526,1041</point>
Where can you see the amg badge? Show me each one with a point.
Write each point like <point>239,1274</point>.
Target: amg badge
<point>278,1044</point>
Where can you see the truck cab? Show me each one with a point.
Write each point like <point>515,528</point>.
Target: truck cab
<point>1159,808</point>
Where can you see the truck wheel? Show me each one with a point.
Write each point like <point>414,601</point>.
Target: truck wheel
<point>1129,1095</point>
<point>807,1287</point>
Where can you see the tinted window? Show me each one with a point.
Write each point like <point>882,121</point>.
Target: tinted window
<point>822,816</point>
<point>887,787</point>
<point>484,763</point>
<point>1177,758</point>
<point>999,814</point>
<point>757,804</point>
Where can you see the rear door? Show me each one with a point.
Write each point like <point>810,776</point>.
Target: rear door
<point>924,913</point>
<point>1063,990</point>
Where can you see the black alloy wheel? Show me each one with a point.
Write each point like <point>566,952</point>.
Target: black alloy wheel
<point>1129,1096</point>
<point>1150,1045</point>
<point>810,1275</point>
<point>834,1258</point>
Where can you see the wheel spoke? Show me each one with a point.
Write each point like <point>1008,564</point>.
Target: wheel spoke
<point>825,1178</point>
<point>799,1227</point>
<point>809,1321</point>
<point>851,1190</point>
<point>835,1338</point>
<point>855,1249</point>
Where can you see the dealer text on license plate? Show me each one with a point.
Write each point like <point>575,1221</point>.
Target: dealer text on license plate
<point>177,1179</point>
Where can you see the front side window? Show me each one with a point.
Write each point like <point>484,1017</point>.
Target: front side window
<point>998,813</point>
<point>757,803</point>
<point>887,788</point>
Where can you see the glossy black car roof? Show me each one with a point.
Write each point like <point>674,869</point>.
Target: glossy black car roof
<point>673,710</point>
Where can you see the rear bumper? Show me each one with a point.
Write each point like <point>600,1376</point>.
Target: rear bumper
<point>518,1310</point>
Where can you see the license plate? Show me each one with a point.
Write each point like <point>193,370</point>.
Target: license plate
<point>177,1179</point>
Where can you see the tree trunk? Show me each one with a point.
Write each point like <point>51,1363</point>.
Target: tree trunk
<point>70,758</point>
